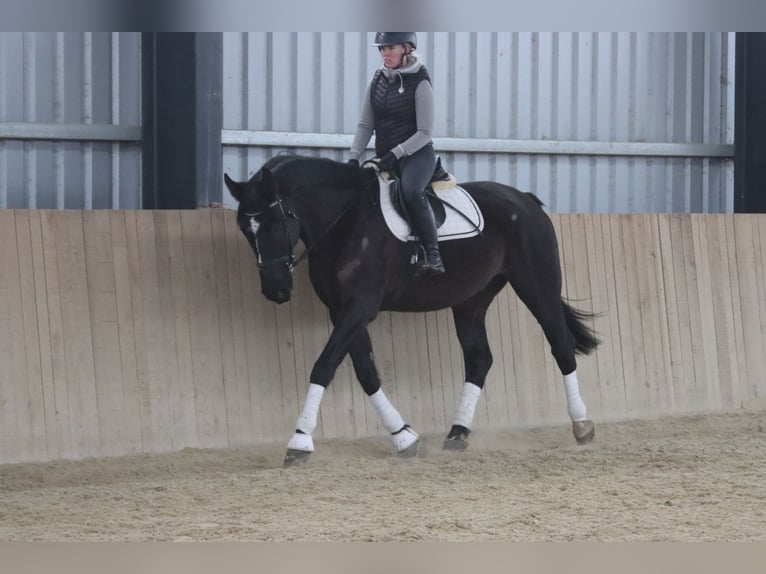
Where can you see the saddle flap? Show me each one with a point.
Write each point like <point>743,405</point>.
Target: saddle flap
<point>397,200</point>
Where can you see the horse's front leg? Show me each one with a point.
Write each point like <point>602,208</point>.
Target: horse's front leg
<point>349,335</point>
<point>404,437</point>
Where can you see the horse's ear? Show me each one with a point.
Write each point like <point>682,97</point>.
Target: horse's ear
<point>238,190</point>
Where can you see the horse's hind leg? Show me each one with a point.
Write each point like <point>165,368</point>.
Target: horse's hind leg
<point>539,287</point>
<point>472,334</point>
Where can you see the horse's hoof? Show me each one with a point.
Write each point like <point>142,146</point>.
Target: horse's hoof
<point>455,440</point>
<point>455,444</point>
<point>406,442</point>
<point>583,431</point>
<point>409,452</point>
<point>296,457</point>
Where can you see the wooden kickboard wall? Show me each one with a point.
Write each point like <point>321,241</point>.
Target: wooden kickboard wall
<point>145,331</point>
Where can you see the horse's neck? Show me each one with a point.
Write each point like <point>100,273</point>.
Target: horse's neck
<point>320,209</point>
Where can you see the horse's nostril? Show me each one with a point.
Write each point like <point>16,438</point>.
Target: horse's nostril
<point>283,295</point>
<point>277,295</point>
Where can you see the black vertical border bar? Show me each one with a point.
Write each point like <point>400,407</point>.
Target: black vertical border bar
<point>750,123</point>
<point>182,119</point>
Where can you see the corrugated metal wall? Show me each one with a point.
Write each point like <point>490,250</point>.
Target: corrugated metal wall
<point>573,117</point>
<point>70,117</point>
<point>519,93</point>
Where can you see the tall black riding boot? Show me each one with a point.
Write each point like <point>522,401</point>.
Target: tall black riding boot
<point>424,225</point>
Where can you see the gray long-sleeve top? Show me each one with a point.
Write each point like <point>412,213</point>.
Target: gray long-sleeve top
<point>424,114</point>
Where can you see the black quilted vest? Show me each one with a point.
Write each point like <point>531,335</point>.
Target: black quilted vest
<point>394,112</point>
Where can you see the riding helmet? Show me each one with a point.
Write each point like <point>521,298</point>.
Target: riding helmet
<point>389,38</point>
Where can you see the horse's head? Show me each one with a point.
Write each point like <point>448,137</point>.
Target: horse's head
<point>271,228</point>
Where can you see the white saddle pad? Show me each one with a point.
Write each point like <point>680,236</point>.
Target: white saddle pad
<point>455,226</point>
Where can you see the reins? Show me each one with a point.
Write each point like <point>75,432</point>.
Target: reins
<point>292,262</point>
<point>324,233</point>
<point>335,221</point>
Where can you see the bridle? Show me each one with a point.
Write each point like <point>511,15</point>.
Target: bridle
<point>284,215</point>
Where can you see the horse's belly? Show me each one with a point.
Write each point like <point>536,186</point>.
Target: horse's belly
<point>429,296</point>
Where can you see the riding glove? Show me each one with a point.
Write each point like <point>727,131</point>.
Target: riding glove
<point>354,162</point>
<point>387,162</point>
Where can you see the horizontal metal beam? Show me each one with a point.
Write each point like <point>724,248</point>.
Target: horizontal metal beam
<point>470,145</point>
<point>114,133</point>
<point>69,132</point>
<point>553,147</point>
<point>285,139</point>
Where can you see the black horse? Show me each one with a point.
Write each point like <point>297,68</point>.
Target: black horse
<point>358,268</point>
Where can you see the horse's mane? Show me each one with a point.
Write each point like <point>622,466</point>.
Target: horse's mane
<point>295,172</point>
<point>536,199</point>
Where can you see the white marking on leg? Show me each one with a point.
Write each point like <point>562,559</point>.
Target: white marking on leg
<point>575,404</point>
<point>307,420</point>
<point>467,405</point>
<point>392,420</point>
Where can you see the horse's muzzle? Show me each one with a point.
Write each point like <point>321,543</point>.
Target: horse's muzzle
<point>279,296</point>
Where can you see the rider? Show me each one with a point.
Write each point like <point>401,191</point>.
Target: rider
<point>398,106</point>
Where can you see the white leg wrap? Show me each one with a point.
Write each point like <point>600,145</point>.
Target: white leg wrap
<point>392,420</point>
<point>405,439</point>
<point>307,420</point>
<point>575,404</point>
<point>302,442</point>
<point>467,405</point>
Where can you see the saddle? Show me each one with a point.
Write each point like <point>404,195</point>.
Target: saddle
<point>456,213</point>
<point>440,176</point>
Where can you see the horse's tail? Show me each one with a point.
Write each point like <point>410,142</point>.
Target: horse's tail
<point>585,338</point>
